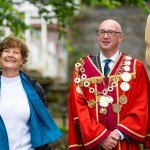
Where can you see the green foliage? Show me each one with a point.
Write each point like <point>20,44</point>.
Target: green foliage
<point>143,5</point>
<point>60,10</point>
<point>11,18</point>
<point>64,130</point>
<point>111,4</point>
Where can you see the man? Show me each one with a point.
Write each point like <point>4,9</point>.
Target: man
<point>108,103</point>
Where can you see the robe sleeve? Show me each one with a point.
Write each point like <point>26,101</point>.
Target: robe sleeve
<point>147,139</point>
<point>84,131</point>
<point>135,119</point>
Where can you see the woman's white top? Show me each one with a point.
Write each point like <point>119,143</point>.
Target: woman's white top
<point>15,112</point>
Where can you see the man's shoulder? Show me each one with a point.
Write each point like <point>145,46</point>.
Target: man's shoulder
<point>87,57</point>
<point>131,58</point>
<point>84,60</point>
<point>137,60</point>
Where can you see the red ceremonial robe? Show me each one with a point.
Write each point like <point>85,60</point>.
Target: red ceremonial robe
<point>147,139</point>
<point>91,118</point>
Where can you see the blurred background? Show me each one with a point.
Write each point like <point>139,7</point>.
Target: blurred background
<point>59,32</point>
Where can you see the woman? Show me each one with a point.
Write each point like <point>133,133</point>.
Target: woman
<point>25,123</point>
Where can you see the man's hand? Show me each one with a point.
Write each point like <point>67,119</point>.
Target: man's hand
<point>111,141</point>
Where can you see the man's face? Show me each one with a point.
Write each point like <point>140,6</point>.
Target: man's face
<point>109,36</point>
<point>11,59</point>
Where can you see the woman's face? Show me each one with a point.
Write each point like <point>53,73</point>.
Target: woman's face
<point>11,60</point>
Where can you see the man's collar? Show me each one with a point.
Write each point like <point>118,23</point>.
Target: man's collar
<point>113,58</point>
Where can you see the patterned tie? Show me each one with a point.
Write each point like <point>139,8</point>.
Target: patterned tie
<point>106,67</point>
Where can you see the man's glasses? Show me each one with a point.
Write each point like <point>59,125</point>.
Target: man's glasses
<point>109,33</point>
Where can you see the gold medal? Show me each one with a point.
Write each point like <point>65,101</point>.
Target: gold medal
<point>128,57</point>
<point>127,63</point>
<point>86,83</point>
<point>109,99</point>
<point>126,68</point>
<point>123,99</point>
<point>103,102</point>
<point>83,76</point>
<point>78,90</point>
<point>126,76</point>
<point>116,108</point>
<point>125,86</point>
<point>77,65</point>
<point>77,80</point>
<point>103,111</point>
<point>91,103</point>
<point>82,69</point>
<point>91,90</point>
